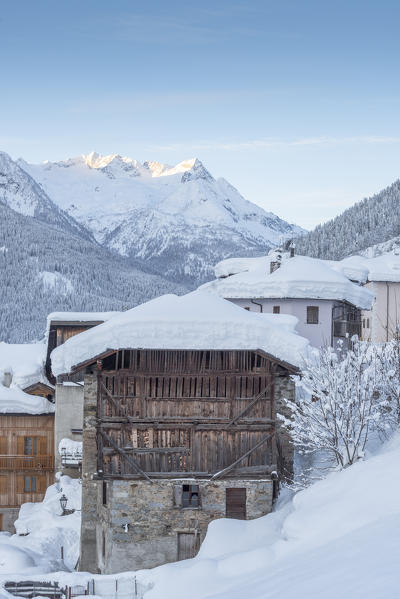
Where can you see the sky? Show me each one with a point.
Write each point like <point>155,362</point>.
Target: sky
<point>294,102</point>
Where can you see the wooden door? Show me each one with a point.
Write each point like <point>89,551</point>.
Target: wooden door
<point>188,545</point>
<point>236,503</point>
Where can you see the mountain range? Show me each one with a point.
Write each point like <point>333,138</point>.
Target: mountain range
<point>103,233</point>
<point>178,221</point>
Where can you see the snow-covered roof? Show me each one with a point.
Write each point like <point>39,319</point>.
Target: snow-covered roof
<point>297,277</point>
<point>81,316</point>
<point>25,364</point>
<point>14,401</point>
<point>193,321</point>
<point>385,267</point>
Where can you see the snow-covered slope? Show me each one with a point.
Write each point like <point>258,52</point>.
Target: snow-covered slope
<point>19,191</point>
<point>339,538</point>
<point>178,219</point>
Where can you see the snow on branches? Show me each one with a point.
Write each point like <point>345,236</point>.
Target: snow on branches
<point>341,404</point>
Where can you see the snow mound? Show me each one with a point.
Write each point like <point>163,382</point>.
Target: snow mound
<point>48,529</point>
<point>193,321</point>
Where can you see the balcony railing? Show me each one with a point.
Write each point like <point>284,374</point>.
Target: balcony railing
<point>26,462</point>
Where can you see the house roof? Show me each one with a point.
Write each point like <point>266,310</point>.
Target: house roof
<point>193,321</point>
<point>385,267</point>
<point>298,277</point>
<point>25,363</point>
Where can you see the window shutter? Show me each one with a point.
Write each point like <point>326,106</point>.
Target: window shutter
<point>20,482</point>
<point>20,445</point>
<point>41,483</point>
<point>3,445</point>
<point>42,446</point>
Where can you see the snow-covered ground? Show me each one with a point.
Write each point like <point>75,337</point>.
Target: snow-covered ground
<point>339,538</point>
<point>41,532</point>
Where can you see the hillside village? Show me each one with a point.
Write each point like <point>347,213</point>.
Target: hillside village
<point>165,417</point>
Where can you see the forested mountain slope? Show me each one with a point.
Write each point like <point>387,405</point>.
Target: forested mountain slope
<point>44,268</point>
<point>372,221</point>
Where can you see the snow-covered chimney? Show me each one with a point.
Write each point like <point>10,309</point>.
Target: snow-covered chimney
<point>7,378</point>
<point>292,247</point>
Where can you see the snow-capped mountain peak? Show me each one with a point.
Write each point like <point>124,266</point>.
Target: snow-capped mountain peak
<point>179,219</point>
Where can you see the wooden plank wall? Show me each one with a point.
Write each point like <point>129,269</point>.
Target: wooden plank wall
<point>13,429</point>
<point>184,415</point>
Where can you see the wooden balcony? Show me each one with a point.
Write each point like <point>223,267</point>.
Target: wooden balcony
<point>26,462</point>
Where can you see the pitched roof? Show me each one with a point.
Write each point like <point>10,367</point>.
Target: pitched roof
<point>193,321</point>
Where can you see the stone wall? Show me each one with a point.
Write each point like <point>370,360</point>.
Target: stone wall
<point>139,525</point>
<point>88,552</point>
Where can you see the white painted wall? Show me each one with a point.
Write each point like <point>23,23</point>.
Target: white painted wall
<point>68,415</point>
<point>385,313</point>
<point>318,334</point>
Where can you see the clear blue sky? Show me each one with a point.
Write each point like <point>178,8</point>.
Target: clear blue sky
<point>295,102</point>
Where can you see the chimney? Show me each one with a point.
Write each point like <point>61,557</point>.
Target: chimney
<point>292,248</point>
<point>7,378</point>
<point>273,266</point>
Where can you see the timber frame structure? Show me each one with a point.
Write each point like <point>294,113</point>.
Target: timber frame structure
<point>186,413</point>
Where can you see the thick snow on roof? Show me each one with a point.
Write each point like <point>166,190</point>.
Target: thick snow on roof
<point>15,401</point>
<point>193,321</point>
<point>385,267</point>
<point>81,316</point>
<point>298,277</point>
<point>24,361</point>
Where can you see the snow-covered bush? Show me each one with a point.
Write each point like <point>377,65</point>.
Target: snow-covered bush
<point>389,362</point>
<point>341,403</point>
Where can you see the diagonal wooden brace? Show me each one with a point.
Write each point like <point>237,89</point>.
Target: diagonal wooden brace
<point>245,455</point>
<point>125,455</point>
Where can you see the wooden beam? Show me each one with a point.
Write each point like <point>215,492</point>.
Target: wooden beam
<point>245,455</point>
<point>252,403</point>
<point>126,456</point>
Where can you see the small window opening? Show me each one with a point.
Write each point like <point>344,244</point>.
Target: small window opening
<point>363,323</point>
<point>190,496</point>
<point>104,545</point>
<point>247,308</point>
<point>276,310</point>
<point>367,323</point>
<point>312,314</point>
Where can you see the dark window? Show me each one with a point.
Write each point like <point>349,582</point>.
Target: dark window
<point>104,545</point>
<point>312,314</point>
<point>246,308</point>
<point>363,323</point>
<point>367,323</point>
<point>104,492</point>
<point>190,496</point>
<point>276,310</point>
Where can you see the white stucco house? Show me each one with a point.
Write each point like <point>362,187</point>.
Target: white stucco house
<point>321,294</point>
<point>381,275</point>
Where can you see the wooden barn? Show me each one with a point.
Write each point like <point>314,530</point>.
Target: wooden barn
<point>180,402</point>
